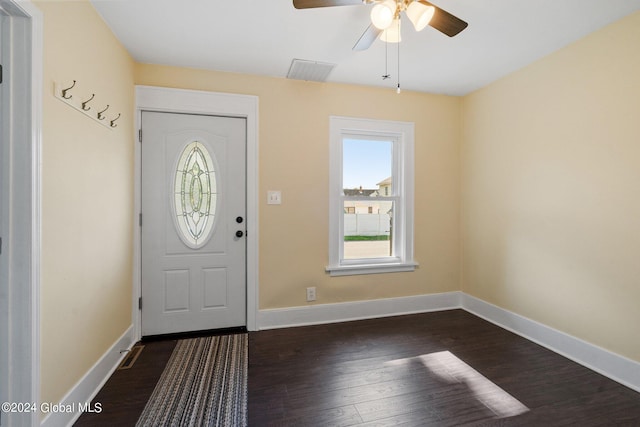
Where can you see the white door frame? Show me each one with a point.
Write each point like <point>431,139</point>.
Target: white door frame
<point>150,98</point>
<point>21,196</point>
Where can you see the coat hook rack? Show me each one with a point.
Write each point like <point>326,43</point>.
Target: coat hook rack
<point>84,104</point>
<point>113,122</point>
<point>100,115</point>
<point>64,91</point>
<point>77,103</point>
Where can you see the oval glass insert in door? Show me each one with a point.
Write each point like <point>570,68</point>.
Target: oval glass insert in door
<point>195,195</point>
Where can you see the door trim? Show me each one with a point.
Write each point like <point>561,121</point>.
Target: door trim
<point>24,187</point>
<point>151,98</point>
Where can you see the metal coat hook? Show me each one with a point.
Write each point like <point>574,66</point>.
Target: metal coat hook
<point>113,122</point>
<point>64,91</point>
<point>84,104</point>
<point>100,115</point>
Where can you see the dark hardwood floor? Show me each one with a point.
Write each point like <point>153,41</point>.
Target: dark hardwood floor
<point>125,394</point>
<point>436,369</point>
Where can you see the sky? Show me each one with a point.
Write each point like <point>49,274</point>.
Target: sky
<point>365,163</point>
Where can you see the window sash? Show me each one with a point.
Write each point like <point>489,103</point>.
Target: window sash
<point>397,249</point>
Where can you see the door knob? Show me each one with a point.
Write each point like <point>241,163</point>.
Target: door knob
<point>239,233</point>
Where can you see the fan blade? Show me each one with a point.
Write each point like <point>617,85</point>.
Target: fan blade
<point>307,4</point>
<point>445,22</point>
<point>367,38</point>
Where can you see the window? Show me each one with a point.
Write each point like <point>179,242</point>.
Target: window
<point>195,200</point>
<point>371,196</point>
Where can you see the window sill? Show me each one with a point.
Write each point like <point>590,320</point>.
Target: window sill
<point>350,270</point>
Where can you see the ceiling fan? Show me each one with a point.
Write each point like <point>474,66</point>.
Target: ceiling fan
<point>385,18</point>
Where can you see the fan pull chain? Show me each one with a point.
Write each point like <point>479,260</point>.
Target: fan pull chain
<point>386,74</point>
<point>398,90</point>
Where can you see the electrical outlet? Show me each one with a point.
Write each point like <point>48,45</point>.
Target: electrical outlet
<point>311,293</point>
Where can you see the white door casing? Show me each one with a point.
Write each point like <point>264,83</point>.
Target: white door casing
<point>193,227</point>
<point>4,198</point>
<point>20,215</point>
<point>150,98</point>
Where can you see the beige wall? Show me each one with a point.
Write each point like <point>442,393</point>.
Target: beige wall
<point>550,190</point>
<point>294,158</point>
<point>87,196</point>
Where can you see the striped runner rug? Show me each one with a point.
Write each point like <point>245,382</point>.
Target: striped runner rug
<point>203,384</point>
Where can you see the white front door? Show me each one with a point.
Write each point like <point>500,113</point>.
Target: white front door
<point>193,222</point>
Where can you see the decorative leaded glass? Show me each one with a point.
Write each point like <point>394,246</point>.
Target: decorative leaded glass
<point>195,194</point>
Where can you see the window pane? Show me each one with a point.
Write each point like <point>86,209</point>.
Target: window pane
<point>366,167</point>
<point>195,194</point>
<point>367,229</point>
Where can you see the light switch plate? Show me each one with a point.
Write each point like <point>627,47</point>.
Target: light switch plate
<point>274,197</point>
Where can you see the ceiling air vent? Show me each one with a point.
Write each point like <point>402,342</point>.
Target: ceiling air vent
<point>302,69</point>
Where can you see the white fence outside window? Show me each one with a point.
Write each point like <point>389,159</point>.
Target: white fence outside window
<point>367,224</point>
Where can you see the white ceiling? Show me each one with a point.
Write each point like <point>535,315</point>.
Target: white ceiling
<point>263,37</point>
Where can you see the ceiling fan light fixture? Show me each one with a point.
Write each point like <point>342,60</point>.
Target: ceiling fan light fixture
<point>392,34</point>
<point>420,14</point>
<point>383,13</point>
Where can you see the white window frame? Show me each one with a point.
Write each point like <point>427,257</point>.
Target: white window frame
<point>402,135</point>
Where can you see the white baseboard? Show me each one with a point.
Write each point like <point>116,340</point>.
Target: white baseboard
<point>89,385</point>
<point>618,368</point>
<point>357,310</point>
